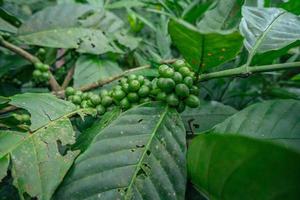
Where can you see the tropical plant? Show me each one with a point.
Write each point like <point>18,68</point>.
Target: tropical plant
<point>149,99</point>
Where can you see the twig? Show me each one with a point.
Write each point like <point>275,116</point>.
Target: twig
<point>68,77</point>
<point>240,71</point>
<point>52,81</point>
<point>8,109</point>
<point>111,79</point>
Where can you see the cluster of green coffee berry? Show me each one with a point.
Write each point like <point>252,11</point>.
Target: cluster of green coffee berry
<point>175,86</point>
<point>41,72</point>
<point>22,118</point>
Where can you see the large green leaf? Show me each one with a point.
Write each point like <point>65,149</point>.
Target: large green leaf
<point>267,29</point>
<point>276,120</point>
<point>67,26</point>
<point>42,107</point>
<point>204,50</point>
<point>224,17</point>
<point>86,137</point>
<point>237,167</point>
<point>37,164</point>
<point>89,69</point>
<point>7,27</point>
<point>205,116</point>
<point>140,155</point>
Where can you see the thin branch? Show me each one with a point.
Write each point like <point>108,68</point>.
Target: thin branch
<point>68,77</point>
<point>8,109</point>
<point>31,58</point>
<point>111,79</point>
<point>240,71</point>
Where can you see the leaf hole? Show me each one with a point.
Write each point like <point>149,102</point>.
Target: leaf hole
<point>140,146</point>
<point>148,152</point>
<point>140,120</point>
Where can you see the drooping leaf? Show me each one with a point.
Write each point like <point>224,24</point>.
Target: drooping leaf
<point>140,155</point>
<point>236,167</point>
<point>89,69</point>
<point>38,166</point>
<point>86,137</point>
<point>7,27</point>
<point>267,29</point>
<point>43,108</point>
<point>224,17</point>
<point>66,26</point>
<point>125,4</point>
<point>205,116</point>
<point>4,162</point>
<point>207,50</point>
<point>276,120</point>
<point>291,6</point>
<point>195,10</point>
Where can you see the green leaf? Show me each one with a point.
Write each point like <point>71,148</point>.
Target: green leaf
<point>291,6</point>
<point>276,120</point>
<point>43,108</point>
<point>205,116</point>
<point>237,167</point>
<point>38,166</point>
<point>89,69</point>
<point>140,155</point>
<point>7,27</point>
<point>87,136</point>
<point>195,10</point>
<point>125,4</point>
<point>267,29</point>
<point>224,17</point>
<point>66,26</point>
<point>4,100</point>
<point>128,40</point>
<point>207,50</point>
<point>4,162</point>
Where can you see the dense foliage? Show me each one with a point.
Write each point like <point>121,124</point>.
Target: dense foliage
<point>149,99</point>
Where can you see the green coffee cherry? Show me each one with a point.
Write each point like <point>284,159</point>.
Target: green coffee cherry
<point>161,96</point>
<point>192,101</point>
<point>70,91</point>
<point>168,73</point>
<point>182,90</point>
<point>123,80</point>
<point>45,75</point>
<point>70,98</point>
<point>78,93</point>
<point>188,81</point>
<point>166,84</point>
<point>76,99</point>
<point>133,97</point>
<point>84,104</point>
<point>144,100</point>
<point>162,69</point>
<point>125,87</point>
<point>90,104</point>
<point>178,64</point>
<point>172,100</point>
<point>39,66</point>
<point>25,118</point>
<point>134,85</point>
<point>85,96</point>
<point>100,109</point>
<point>194,90</point>
<point>125,104</point>
<point>44,68</point>
<point>118,94</point>
<point>41,51</point>
<point>37,74</point>
<point>106,101</point>
<point>95,99</point>
<point>184,71</point>
<point>132,77</point>
<point>177,77</point>
<point>141,79</point>
<point>103,93</point>
<point>144,91</point>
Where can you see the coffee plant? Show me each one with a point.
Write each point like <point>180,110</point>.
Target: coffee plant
<point>149,99</point>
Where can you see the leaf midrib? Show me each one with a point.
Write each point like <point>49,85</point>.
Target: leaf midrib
<point>138,166</point>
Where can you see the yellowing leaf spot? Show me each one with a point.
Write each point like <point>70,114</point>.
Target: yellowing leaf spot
<point>221,57</point>
<point>209,54</point>
<point>223,49</point>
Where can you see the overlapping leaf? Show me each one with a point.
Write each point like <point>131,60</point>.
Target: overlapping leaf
<point>38,166</point>
<point>277,121</point>
<point>267,29</point>
<point>204,50</point>
<point>42,107</point>
<point>140,155</point>
<point>237,167</point>
<point>67,26</point>
<point>224,17</point>
<point>89,69</point>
